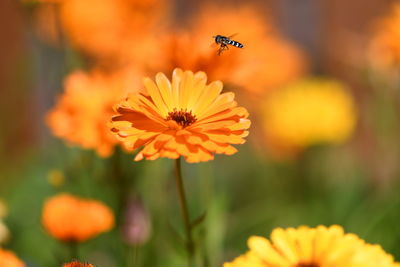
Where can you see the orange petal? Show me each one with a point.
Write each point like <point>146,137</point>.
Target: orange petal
<point>199,156</point>
<point>226,138</point>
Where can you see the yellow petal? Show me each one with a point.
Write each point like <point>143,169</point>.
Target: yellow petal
<point>186,88</point>
<point>176,81</point>
<point>155,95</point>
<point>264,250</point>
<point>222,102</point>
<point>166,90</point>
<point>198,87</point>
<point>208,96</point>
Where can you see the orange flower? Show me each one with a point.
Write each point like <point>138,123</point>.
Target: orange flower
<point>77,264</point>
<point>69,218</point>
<point>183,118</point>
<point>82,112</point>
<point>8,259</point>
<point>267,60</point>
<point>106,29</point>
<point>384,47</point>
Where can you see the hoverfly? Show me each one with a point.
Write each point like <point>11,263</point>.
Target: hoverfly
<point>224,41</point>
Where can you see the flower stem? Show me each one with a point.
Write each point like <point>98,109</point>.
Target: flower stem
<point>184,208</point>
<point>133,255</point>
<point>73,247</point>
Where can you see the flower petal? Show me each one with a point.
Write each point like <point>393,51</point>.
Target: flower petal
<point>208,96</point>
<point>165,90</point>
<point>155,95</point>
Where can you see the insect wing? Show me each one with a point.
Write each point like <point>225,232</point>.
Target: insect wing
<point>233,35</point>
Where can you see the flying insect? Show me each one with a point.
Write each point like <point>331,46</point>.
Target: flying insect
<point>225,41</point>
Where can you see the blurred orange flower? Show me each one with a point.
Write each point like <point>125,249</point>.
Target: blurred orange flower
<point>77,264</point>
<point>8,259</point>
<point>106,29</point>
<point>81,114</point>
<point>268,60</point>
<point>183,118</point>
<point>70,218</point>
<point>384,47</point>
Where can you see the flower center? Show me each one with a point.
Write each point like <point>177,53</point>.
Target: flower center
<point>182,117</point>
<point>311,264</point>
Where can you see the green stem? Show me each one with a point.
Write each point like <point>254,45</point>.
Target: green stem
<point>133,256</point>
<point>184,208</point>
<point>73,247</point>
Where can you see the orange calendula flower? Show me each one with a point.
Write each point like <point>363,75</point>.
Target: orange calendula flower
<point>384,47</point>
<point>312,247</point>
<point>81,114</point>
<point>70,218</point>
<point>105,29</point>
<point>184,118</point>
<point>77,264</point>
<point>267,60</point>
<point>8,259</point>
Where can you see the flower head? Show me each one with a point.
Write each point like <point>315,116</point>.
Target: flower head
<point>8,259</point>
<point>184,118</point>
<point>69,218</point>
<point>384,47</point>
<point>308,112</point>
<point>77,264</point>
<point>268,60</point>
<point>136,228</point>
<point>81,114</point>
<point>106,29</point>
<point>312,247</point>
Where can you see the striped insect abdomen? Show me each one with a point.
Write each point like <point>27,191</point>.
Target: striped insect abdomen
<point>234,43</point>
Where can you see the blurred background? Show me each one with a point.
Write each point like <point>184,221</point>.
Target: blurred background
<point>319,78</point>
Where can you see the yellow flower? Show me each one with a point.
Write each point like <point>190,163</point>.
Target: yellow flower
<point>308,112</point>
<point>312,247</point>
<point>183,118</point>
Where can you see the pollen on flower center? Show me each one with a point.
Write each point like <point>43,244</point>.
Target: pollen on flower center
<point>182,117</point>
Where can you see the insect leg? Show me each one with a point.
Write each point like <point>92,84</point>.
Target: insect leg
<point>221,49</point>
